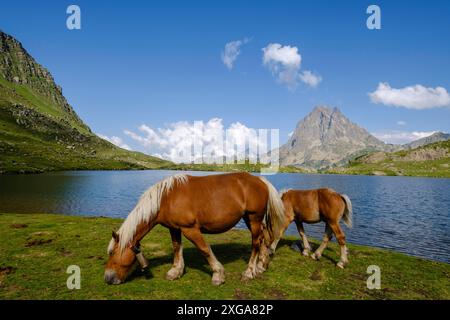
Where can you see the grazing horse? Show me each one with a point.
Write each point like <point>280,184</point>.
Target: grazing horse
<point>312,206</point>
<point>193,205</point>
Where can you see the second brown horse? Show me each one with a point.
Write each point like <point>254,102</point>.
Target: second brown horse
<point>312,206</point>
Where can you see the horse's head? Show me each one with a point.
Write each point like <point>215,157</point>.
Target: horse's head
<point>121,262</point>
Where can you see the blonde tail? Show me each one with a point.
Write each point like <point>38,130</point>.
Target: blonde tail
<point>274,218</point>
<point>348,212</point>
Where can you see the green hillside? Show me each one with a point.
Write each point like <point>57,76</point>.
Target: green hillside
<point>39,130</point>
<point>432,160</point>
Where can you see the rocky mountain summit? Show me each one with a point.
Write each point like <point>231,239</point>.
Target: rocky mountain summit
<point>19,67</point>
<point>326,138</point>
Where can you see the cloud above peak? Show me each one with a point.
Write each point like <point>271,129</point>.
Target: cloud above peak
<point>231,52</point>
<point>285,62</point>
<point>401,137</point>
<point>412,97</point>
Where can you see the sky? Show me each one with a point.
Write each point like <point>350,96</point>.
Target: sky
<point>140,73</point>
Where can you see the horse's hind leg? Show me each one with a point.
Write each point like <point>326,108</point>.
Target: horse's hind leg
<point>178,262</point>
<point>340,237</point>
<point>301,231</point>
<point>326,238</point>
<point>196,237</point>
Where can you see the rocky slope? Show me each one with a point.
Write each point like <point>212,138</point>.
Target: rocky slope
<point>326,138</point>
<point>435,137</point>
<point>40,131</point>
<point>431,160</point>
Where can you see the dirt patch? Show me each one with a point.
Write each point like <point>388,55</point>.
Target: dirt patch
<point>358,276</point>
<point>277,294</point>
<point>241,295</point>
<point>4,271</point>
<point>316,275</point>
<point>7,270</point>
<point>95,257</point>
<point>39,238</point>
<point>18,225</point>
<point>37,242</point>
<point>65,252</point>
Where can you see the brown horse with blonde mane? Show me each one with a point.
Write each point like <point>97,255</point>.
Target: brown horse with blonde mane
<point>312,206</point>
<point>193,205</point>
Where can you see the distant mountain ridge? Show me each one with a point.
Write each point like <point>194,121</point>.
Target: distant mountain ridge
<point>40,131</point>
<point>435,137</point>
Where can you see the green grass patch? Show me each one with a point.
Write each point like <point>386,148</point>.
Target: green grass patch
<point>36,249</point>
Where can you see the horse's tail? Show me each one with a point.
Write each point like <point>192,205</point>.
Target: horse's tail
<point>348,212</point>
<point>274,218</point>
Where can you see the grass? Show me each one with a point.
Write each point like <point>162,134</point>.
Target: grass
<point>395,164</point>
<point>36,249</point>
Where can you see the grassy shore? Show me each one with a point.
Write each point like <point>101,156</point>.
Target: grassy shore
<point>36,249</point>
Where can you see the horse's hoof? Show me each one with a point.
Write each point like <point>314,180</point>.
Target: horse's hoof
<point>217,279</point>
<point>305,253</point>
<point>315,256</point>
<point>260,268</point>
<point>247,275</point>
<point>174,274</point>
<point>340,264</point>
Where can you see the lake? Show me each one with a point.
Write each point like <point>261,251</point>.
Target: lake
<point>405,214</point>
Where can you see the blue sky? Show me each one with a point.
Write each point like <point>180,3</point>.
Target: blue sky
<point>155,63</point>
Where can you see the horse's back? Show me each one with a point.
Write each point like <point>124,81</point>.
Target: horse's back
<point>214,200</point>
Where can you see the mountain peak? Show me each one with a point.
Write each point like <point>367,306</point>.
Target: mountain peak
<point>326,137</point>
<point>19,68</point>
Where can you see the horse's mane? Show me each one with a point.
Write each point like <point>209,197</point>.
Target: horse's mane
<point>145,210</point>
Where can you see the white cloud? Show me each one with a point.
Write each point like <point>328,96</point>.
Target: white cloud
<point>284,62</point>
<point>412,97</point>
<point>310,79</point>
<point>176,139</point>
<point>231,52</point>
<point>401,137</point>
<point>115,140</point>
<point>401,123</point>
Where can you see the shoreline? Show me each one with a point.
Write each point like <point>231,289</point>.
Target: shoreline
<point>22,172</point>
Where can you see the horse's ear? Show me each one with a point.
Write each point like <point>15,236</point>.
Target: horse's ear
<point>115,236</point>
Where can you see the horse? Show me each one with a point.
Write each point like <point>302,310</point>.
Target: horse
<point>197,205</point>
<point>312,206</point>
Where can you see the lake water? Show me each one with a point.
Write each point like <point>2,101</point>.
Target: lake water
<point>410,215</point>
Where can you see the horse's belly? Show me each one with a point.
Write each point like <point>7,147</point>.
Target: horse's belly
<point>310,217</point>
<point>219,222</point>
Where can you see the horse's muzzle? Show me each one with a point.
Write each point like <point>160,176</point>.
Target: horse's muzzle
<point>111,277</point>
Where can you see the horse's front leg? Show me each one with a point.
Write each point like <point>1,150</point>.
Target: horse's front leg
<point>177,269</point>
<point>301,231</point>
<point>257,239</point>
<point>196,237</point>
